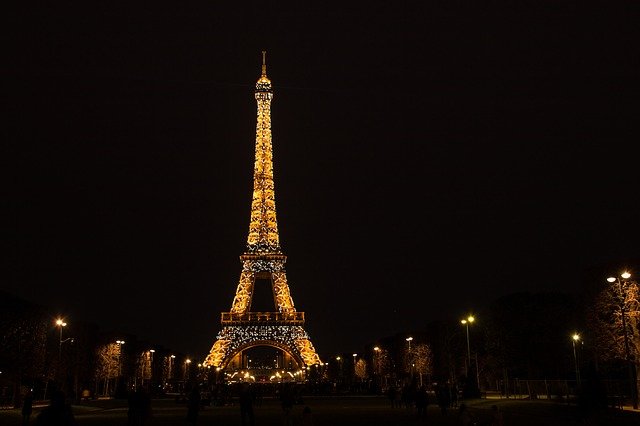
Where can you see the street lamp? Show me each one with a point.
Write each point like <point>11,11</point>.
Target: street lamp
<point>186,368</point>
<point>631,366</point>
<point>377,360</point>
<point>119,343</point>
<point>574,339</point>
<point>409,339</point>
<point>60,323</point>
<point>171,358</point>
<point>466,322</point>
<point>409,356</point>
<point>151,352</point>
<point>469,320</point>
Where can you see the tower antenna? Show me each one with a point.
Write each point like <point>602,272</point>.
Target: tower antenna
<point>264,63</point>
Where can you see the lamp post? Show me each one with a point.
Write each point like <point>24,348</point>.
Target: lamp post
<point>61,324</point>
<point>119,343</point>
<point>186,369</point>
<point>631,366</point>
<point>574,339</point>
<point>151,352</point>
<point>466,322</point>
<point>171,358</point>
<point>376,364</point>
<point>469,320</point>
<point>409,357</point>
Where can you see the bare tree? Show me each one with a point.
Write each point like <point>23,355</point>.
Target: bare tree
<point>23,347</point>
<point>422,359</point>
<point>107,366</point>
<point>143,366</point>
<point>614,320</point>
<point>606,321</point>
<point>361,369</point>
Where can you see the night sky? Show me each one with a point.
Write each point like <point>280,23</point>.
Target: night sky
<point>429,158</point>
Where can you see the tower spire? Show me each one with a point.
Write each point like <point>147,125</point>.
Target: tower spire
<point>264,84</point>
<point>264,63</point>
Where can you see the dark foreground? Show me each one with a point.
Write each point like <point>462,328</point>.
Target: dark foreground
<point>336,411</point>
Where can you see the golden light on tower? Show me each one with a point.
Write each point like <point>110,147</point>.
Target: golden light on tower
<point>262,259</point>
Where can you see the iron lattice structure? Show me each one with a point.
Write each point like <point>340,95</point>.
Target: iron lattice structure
<point>263,258</point>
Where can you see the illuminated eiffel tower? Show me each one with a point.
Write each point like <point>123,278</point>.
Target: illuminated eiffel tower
<point>243,329</point>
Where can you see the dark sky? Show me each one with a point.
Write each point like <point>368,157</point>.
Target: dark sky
<point>429,158</point>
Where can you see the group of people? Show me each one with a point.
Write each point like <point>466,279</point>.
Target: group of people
<point>57,413</point>
<point>287,397</point>
<point>446,394</point>
<point>466,419</point>
<point>410,396</point>
<point>139,407</point>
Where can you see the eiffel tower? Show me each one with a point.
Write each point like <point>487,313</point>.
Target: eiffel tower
<point>243,329</point>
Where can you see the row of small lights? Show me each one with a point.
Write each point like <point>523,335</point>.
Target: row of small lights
<point>469,320</point>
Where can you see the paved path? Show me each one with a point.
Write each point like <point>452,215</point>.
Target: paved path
<point>338,411</point>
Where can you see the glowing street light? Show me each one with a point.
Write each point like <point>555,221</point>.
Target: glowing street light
<point>60,323</point>
<point>409,339</point>
<point>631,366</point>
<point>119,343</point>
<point>187,362</point>
<point>469,320</point>
<point>574,339</point>
<point>151,352</point>
<point>376,360</point>
<point>170,373</point>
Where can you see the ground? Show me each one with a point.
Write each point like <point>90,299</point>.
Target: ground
<point>336,411</point>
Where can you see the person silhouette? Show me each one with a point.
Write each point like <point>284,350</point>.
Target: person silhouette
<point>246,405</point>
<point>27,407</point>
<point>391,394</point>
<point>307,419</point>
<point>193,405</point>
<point>421,401</point>
<point>464,415</point>
<point>496,416</point>
<point>443,394</point>
<point>57,413</point>
<point>139,408</point>
<point>287,401</point>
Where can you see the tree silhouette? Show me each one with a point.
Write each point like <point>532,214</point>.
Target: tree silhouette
<point>107,366</point>
<point>361,369</point>
<point>422,360</point>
